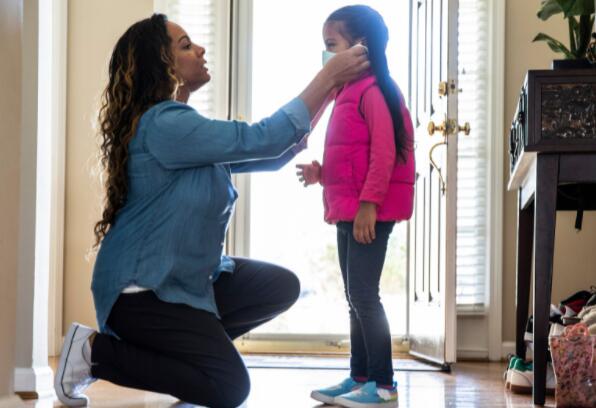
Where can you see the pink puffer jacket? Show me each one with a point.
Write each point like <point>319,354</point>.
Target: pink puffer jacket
<point>347,158</point>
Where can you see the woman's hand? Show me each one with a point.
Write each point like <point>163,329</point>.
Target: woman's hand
<point>364,223</point>
<point>347,65</point>
<point>309,173</point>
<point>343,67</point>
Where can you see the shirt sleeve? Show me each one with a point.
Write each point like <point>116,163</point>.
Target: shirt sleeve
<point>382,146</point>
<point>179,137</point>
<point>269,164</point>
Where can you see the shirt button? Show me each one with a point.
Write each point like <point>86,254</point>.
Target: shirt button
<point>210,277</point>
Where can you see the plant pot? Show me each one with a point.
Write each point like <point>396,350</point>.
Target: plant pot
<point>572,64</point>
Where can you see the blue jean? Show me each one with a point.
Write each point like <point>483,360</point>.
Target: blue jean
<point>361,266</point>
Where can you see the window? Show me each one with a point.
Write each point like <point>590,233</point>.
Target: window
<point>206,22</point>
<point>286,219</point>
<point>473,160</point>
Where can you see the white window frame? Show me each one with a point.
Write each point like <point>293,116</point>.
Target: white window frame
<point>490,315</point>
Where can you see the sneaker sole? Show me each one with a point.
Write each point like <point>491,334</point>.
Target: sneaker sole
<point>318,396</point>
<point>58,387</point>
<point>519,389</point>
<point>353,404</point>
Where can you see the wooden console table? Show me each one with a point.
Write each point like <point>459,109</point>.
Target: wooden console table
<point>553,168</point>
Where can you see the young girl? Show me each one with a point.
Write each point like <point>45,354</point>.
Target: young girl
<point>368,184</point>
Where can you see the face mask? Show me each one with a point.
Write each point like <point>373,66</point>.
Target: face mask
<point>327,55</point>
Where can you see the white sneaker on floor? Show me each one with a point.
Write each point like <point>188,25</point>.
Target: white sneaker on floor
<point>522,378</point>
<point>73,375</point>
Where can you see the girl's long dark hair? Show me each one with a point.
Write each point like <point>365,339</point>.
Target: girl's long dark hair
<point>364,22</point>
<point>141,74</point>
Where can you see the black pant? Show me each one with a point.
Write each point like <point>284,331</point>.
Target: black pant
<point>188,353</point>
<point>361,266</point>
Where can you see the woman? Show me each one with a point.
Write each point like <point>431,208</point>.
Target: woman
<point>168,303</point>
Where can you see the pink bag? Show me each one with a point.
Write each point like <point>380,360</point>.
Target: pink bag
<point>574,362</point>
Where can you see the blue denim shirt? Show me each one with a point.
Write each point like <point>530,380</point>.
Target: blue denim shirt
<point>170,232</point>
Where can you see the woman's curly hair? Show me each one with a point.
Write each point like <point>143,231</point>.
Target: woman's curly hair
<point>141,74</point>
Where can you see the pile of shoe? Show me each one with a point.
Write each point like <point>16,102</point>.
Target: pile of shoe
<point>579,307</point>
<point>570,311</point>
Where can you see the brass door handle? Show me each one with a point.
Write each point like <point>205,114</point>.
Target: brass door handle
<point>465,128</point>
<point>432,128</point>
<point>448,127</point>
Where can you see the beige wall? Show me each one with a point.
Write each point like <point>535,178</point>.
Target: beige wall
<point>94,28</point>
<point>575,255</point>
<point>10,131</point>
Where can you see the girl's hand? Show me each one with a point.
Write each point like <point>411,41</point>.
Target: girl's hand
<point>309,173</point>
<point>364,223</point>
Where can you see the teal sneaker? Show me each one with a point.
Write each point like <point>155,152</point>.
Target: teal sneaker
<point>369,396</point>
<point>327,395</point>
<point>507,374</point>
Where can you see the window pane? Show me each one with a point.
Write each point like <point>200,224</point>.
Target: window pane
<point>472,171</point>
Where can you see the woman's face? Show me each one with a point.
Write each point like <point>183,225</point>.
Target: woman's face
<point>333,37</point>
<point>189,59</point>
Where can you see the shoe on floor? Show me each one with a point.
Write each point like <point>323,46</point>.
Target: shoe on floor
<point>592,300</point>
<point>369,396</point>
<point>587,309</point>
<point>327,395</point>
<point>556,330</point>
<point>522,378</point>
<point>73,375</point>
<point>589,318</point>
<point>576,301</point>
<point>507,374</point>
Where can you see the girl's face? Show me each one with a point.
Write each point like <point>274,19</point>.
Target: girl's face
<point>333,37</point>
<point>189,59</point>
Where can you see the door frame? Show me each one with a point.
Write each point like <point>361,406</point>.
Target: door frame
<point>495,202</point>
<point>488,319</point>
<point>238,237</point>
<point>496,350</point>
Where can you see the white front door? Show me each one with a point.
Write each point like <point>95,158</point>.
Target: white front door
<point>432,243</point>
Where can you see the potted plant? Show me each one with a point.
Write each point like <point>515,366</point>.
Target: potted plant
<point>580,17</point>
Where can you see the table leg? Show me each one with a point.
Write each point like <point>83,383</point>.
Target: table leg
<point>525,243</point>
<point>547,174</point>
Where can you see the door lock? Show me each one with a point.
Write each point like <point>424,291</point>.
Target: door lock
<point>445,88</point>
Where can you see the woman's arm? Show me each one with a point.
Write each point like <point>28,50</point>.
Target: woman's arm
<point>179,137</point>
<point>269,164</point>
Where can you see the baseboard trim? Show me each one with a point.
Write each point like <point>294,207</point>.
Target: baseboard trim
<point>475,354</point>
<point>11,402</point>
<point>38,381</point>
<point>507,349</point>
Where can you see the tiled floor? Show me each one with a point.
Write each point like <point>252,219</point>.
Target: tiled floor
<point>469,385</point>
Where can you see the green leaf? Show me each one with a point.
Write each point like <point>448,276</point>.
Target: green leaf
<point>549,8</point>
<point>576,7</point>
<point>554,45</point>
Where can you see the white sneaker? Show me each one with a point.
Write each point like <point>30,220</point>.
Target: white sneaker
<point>74,370</point>
<point>522,379</point>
